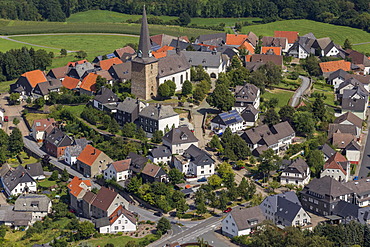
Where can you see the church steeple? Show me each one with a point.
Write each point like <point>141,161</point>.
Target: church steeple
<point>178,46</point>
<point>144,42</point>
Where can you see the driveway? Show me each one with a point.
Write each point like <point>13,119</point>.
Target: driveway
<point>306,82</point>
<point>12,111</point>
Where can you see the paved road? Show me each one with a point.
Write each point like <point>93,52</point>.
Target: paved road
<point>365,162</point>
<point>299,92</point>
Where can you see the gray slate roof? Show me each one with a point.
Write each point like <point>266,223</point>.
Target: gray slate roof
<point>160,151</point>
<point>14,177</point>
<point>78,146</point>
<point>137,162</point>
<point>350,117</point>
<point>327,186</point>
<point>121,71</point>
<point>207,37</point>
<point>180,135</point>
<point>47,86</point>
<point>351,81</point>
<point>297,166</point>
<point>274,41</point>
<point>17,218</point>
<point>35,169</point>
<point>81,69</point>
<point>249,113</point>
<point>338,73</point>
<point>341,128</point>
<point>198,156</point>
<point>327,150</point>
<point>158,112</point>
<point>106,95</point>
<point>58,138</point>
<point>227,118</point>
<point>247,93</point>
<point>172,64</point>
<point>352,104</point>
<point>32,203</point>
<point>206,59</point>
<point>243,217</point>
<point>128,105</point>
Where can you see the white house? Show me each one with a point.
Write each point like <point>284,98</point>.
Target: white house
<point>160,154</point>
<point>195,163</point>
<point>353,151</point>
<point>2,111</point>
<point>179,139</point>
<point>72,152</point>
<point>350,119</point>
<point>38,205</point>
<point>120,220</point>
<point>285,209</point>
<point>242,221</point>
<point>17,181</point>
<point>104,97</point>
<point>246,95</point>
<point>337,167</point>
<point>118,170</point>
<point>35,170</point>
<point>41,127</point>
<point>297,173</point>
<point>231,119</point>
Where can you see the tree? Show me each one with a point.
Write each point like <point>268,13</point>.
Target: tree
<point>303,123</point>
<point>63,52</point>
<point>271,117</point>
<point>215,181</point>
<point>268,162</point>
<point>134,184</point>
<point>64,176</point>
<point>81,55</point>
<point>256,199</point>
<point>14,98</point>
<point>272,72</point>
<point>224,169</point>
<point>311,65</point>
<point>215,143</point>
<point>39,102</point>
<point>129,130</point>
<point>181,208</point>
<point>221,98</point>
<point>157,136</point>
<point>274,185</point>
<point>172,86</point>
<point>286,113</point>
<point>318,108</point>
<point>16,121</point>
<point>235,62</point>
<point>315,160</point>
<point>60,210</point>
<point>100,82</point>
<point>86,229</point>
<point>347,44</point>
<point>54,176</point>
<point>175,176</point>
<point>187,88</point>
<point>163,225</point>
<point>184,19</point>
<point>164,90</point>
<point>2,231</point>
<point>223,200</point>
<point>15,141</point>
<point>201,208</point>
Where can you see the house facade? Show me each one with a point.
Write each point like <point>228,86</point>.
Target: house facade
<point>128,110</point>
<point>38,205</point>
<point>246,95</point>
<point>158,117</point>
<point>337,167</point>
<point>120,220</point>
<point>179,139</point>
<point>72,152</point>
<point>17,181</point>
<point>297,173</point>
<point>118,170</point>
<point>160,154</point>
<point>92,161</point>
<point>231,119</point>
<point>77,188</point>
<point>56,142</point>
<point>153,173</point>
<point>41,127</point>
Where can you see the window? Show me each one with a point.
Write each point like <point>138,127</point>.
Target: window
<point>119,222</point>
<point>297,222</point>
<point>116,228</point>
<point>123,227</point>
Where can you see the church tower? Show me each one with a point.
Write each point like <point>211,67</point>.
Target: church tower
<point>144,70</point>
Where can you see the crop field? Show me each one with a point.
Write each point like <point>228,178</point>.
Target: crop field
<point>337,33</point>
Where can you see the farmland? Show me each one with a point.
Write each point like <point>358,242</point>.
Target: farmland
<point>337,33</point>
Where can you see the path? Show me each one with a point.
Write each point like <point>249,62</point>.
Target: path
<point>306,82</point>
<point>48,34</point>
<point>364,168</point>
<point>362,43</point>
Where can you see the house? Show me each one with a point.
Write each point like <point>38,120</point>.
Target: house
<point>80,69</point>
<point>337,167</point>
<point>118,170</point>
<point>327,151</point>
<point>353,152</point>
<point>291,36</point>
<point>107,63</point>
<point>235,39</point>
<point>242,221</point>
<point>271,50</point>
<point>35,170</point>
<point>303,47</point>
<point>360,191</point>
<point>337,77</point>
<point>246,95</point>
<point>121,220</point>
<point>124,53</point>
<point>87,85</point>
<point>355,100</point>
<point>263,59</point>
<point>352,212</point>
<point>105,97</point>
<point>212,62</point>
<point>56,142</point>
<point>277,137</point>
<point>138,162</point>
<point>121,71</point>
<point>165,40</point>
<point>321,195</point>
<point>128,110</point>
<point>349,118</point>
<point>41,127</point>
<point>297,173</point>
<point>92,161</point>
<point>58,73</point>
<point>341,140</point>
<point>328,67</point>
<point>42,89</point>
<point>343,129</point>
<point>360,60</point>
<point>275,42</point>
<point>71,83</point>
<point>160,154</point>
<point>15,219</point>
<point>17,181</point>
<point>249,115</point>
<point>285,209</point>
<point>38,205</point>
<point>72,152</point>
<point>195,163</point>
<point>158,117</point>
<point>27,82</point>
<point>350,83</point>
<point>179,139</point>
<point>216,38</point>
<point>77,189</point>
<point>224,120</point>
<point>106,75</point>
<point>153,173</point>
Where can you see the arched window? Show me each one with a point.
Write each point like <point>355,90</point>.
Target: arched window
<point>182,79</point>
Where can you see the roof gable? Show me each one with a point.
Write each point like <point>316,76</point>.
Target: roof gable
<point>34,77</point>
<point>88,83</point>
<point>107,63</point>
<point>89,155</point>
<point>290,35</point>
<point>335,65</point>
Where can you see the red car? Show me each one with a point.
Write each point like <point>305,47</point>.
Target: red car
<point>227,210</point>
<point>6,119</point>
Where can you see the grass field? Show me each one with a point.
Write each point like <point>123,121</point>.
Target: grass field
<point>76,110</point>
<point>105,16</point>
<point>116,240</point>
<point>34,116</point>
<point>326,90</point>
<point>337,33</point>
<point>282,95</point>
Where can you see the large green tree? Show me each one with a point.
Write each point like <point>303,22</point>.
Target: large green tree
<point>16,141</point>
<point>221,98</point>
<point>303,123</point>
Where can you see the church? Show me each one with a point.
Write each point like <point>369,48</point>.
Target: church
<point>148,72</point>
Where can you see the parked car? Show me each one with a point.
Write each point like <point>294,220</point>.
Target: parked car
<point>159,214</point>
<point>228,210</point>
<point>355,178</point>
<point>6,119</point>
<point>202,179</point>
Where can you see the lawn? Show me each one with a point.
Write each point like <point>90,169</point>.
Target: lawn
<point>282,95</point>
<point>327,90</point>
<point>5,86</point>
<point>46,183</point>
<point>337,33</point>
<point>228,21</point>
<point>76,110</point>
<point>114,239</point>
<point>34,116</point>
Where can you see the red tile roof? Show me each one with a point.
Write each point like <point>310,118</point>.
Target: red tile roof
<point>332,162</point>
<point>73,64</point>
<point>88,83</point>
<point>235,39</point>
<point>35,77</point>
<point>75,185</point>
<point>290,35</point>
<point>159,54</point>
<point>335,65</point>
<point>42,124</point>
<point>70,82</point>
<point>104,198</point>
<point>246,45</point>
<point>121,165</point>
<point>107,63</point>
<point>89,155</point>
<point>125,50</point>
<point>118,212</point>
<point>165,48</point>
<point>268,50</point>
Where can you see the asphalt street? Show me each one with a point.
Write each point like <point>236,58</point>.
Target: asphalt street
<point>365,163</point>
<point>299,92</point>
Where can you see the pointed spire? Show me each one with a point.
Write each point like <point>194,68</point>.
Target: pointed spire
<point>178,46</point>
<point>144,42</point>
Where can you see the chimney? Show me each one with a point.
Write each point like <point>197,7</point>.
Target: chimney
<point>94,152</point>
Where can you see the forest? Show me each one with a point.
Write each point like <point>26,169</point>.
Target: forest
<point>353,13</point>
